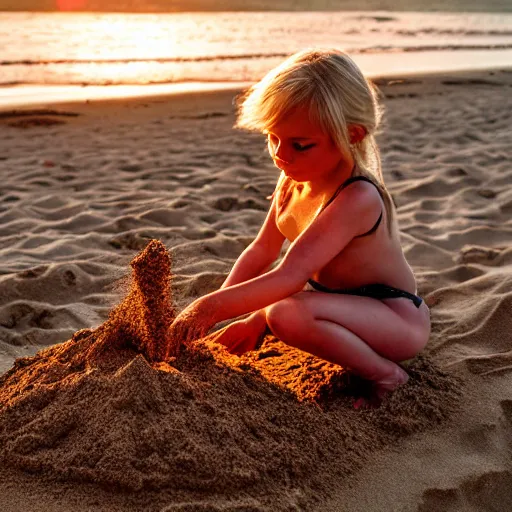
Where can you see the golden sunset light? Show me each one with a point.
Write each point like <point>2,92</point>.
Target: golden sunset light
<point>255,255</point>
<point>70,5</point>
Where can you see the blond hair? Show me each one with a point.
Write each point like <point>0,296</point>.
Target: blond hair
<point>337,93</point>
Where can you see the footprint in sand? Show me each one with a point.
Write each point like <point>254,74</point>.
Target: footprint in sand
<point>506,406</point>
<point>32,273</point>
<point>130,241</point>
<point>490,491</point>
<point>23,314</point>
<point>478,254</point>
<point>209,506</point>
<point>440,500</point>
<point>69,278</point>
<point>481,439</point>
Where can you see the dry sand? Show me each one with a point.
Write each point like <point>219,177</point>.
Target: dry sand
<point>82,194</point>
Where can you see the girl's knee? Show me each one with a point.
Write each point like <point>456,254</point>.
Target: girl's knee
<point>413,339</point>
<point>421,333</point>
<point>420,342</point>
<point>412,345</point>
<point>286,317</point>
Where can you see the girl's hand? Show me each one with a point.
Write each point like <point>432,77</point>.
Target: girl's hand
<point>243,335</point>
<point>192,323</point>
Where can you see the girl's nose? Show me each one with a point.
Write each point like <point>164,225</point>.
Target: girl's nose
<point>281,154</point>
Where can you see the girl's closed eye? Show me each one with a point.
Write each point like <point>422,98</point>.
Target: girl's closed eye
<point>297,146</point>
<point>300,147</point>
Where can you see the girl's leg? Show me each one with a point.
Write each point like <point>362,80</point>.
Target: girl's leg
<point>366,335</point>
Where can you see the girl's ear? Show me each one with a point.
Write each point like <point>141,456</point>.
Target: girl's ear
<point>356,133</point>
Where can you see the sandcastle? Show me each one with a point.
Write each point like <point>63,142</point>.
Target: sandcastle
<point>125,407</point>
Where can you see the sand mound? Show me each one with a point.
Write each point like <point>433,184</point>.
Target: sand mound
<point>104,408</point>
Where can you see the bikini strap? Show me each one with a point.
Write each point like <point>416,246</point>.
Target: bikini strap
<point>345,184</point>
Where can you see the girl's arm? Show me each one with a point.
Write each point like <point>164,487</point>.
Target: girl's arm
<point>253,262</point>
<point>261,253</point>
<point>353,213</point>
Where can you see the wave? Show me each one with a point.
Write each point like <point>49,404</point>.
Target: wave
<point>452,32</point>
<point>205,58</point>
<point>251,56</point>
<point>124,81</point>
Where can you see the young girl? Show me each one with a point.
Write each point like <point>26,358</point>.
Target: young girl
<point>343,291</point>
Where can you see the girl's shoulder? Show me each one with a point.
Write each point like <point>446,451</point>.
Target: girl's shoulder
<point>353,179</point>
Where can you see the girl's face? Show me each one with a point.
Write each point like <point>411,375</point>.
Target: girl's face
<point>301,149</point>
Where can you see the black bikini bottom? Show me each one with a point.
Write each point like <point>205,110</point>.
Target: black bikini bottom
<point>375,291</point>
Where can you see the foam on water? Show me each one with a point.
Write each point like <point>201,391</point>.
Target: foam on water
<point>112,49</point>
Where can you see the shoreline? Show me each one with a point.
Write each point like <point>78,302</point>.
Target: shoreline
<point>396,66</point>
<point>207,100</point>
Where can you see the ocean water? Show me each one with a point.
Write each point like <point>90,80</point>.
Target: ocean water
<point>107,49</point>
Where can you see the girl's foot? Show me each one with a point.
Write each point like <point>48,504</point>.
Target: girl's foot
<point>383,387</point>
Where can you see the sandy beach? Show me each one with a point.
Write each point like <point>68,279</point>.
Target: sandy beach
<point>86,186</point>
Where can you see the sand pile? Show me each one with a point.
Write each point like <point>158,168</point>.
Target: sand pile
<point>104,408</point>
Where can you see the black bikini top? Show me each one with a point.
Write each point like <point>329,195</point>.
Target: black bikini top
<point>346,184</point>
<point>338,190</point>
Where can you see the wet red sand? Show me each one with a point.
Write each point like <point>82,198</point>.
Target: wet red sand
<point>271,430</point>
